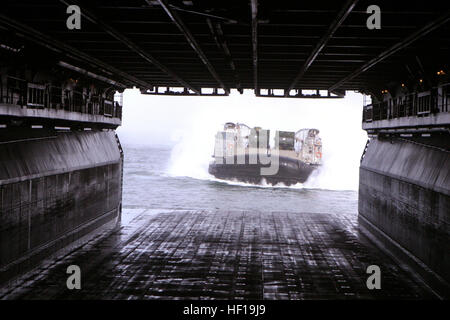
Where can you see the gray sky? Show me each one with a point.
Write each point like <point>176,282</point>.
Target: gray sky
<point>163,119</point>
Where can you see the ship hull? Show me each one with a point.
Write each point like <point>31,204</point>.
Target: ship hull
<point>291,171</point>
<point>57,191</point>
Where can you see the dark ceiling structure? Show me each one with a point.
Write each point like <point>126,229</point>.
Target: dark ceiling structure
<point>239,44</point>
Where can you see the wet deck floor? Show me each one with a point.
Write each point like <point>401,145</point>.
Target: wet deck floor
<point>188,254</point>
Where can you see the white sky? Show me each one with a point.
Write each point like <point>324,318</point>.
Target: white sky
<point>190,123</point>
<point>163,119</point>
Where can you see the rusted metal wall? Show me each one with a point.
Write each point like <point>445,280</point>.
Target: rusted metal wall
<point>54,191</point>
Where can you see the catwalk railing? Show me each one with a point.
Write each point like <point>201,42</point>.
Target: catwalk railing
<point>420,104</point>
<point>21,93</point>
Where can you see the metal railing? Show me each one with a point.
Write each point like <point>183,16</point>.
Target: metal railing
<point>419,104</point>
<point>14,91</point>
<point>19,92</point>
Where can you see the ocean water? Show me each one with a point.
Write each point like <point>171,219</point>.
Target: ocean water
<point>162,177</point>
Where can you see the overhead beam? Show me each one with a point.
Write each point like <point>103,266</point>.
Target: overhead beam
<point>219,39</point>
<point>395,48</point>
<point>173,91</point>
<point>254,6</point>
<point>207,15</point>
<point>60,47</point>
<point>130,44</point>
<point>90,74</point>
<point>337,22</point>
<point>173,15</point>
<point>267,92</point>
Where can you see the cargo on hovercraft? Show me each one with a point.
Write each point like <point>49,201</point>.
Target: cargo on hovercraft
<point>243,153</point>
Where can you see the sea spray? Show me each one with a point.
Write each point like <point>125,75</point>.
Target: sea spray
<point>339,124</point>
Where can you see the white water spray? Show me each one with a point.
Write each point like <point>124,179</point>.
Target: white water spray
<point>339,122</point>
